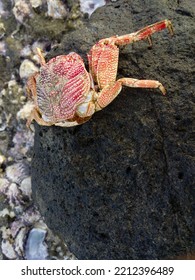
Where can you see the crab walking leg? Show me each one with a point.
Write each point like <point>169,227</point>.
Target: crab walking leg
<point>108,94</point>
<point>31,87</point>
<point>35,116</point>
<point>144,33</point>
<point>129,82</point>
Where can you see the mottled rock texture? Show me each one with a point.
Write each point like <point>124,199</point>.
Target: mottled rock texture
<point>121,185</point>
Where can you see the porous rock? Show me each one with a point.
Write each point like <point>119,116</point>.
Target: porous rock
<point>121,185</point>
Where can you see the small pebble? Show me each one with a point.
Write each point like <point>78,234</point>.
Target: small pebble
<point>27,69</point>
<point>16,172</point>
<point>8,250</point>
<point>56,9</point>
<point>89,6</point>
<point>21,10</point>
<point>36,249</point>
<point>35,3</point>
<point>6,212</point>
<point>25,187</point>
<point>4,183</point>
<point>2,30</point>
<point>25,111</point>
<point>2,159</point>
<point>26,51</point>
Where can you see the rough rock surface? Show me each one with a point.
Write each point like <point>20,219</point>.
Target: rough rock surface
<point>121,185</point>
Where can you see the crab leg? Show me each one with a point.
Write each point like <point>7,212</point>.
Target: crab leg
<point>109,93</point>
<point>144,33</point>
<point>35,116</point>
<point>129,82</point>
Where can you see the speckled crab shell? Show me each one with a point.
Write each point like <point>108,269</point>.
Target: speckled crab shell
<point>61,86</point>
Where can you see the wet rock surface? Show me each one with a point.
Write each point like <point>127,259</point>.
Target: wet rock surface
<point>121,185</point>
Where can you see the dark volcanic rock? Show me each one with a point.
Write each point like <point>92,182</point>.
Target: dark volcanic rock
<point>121,185</point>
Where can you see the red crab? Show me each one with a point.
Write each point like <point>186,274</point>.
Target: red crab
<point>65,94</point>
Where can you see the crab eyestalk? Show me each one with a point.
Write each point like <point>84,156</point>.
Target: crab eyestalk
<point>40,56</point>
